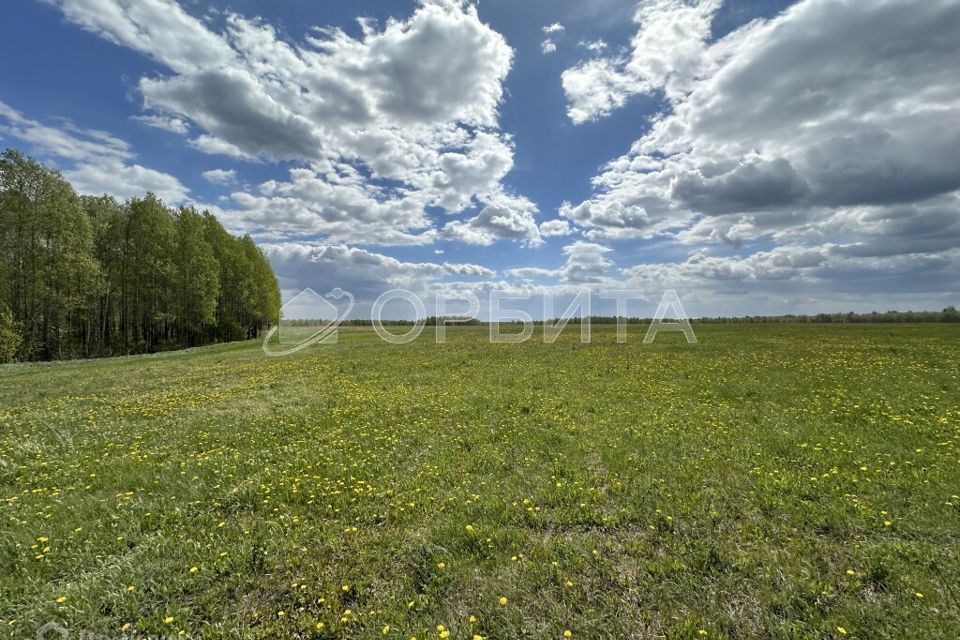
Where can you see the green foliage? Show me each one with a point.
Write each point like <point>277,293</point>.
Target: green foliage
<point>10,338</point>
<point>46,247</point>
<point>88,276</point>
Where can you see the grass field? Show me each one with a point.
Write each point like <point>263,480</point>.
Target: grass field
<point>768,482</point>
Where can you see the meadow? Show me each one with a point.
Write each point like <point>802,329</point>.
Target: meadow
<point>772,481</point>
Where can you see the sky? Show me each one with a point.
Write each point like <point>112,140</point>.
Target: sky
<point>758,157</point>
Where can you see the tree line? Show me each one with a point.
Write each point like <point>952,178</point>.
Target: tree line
<point>950,314</point>
<point>85,276</point>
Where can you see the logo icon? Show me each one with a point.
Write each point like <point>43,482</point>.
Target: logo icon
<point>306,319</point>
<point>51,631</point>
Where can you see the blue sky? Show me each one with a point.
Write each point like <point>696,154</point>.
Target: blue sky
<point>759,157</point>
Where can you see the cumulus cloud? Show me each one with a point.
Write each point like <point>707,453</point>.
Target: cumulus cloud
<point>126,181</point>
<point>836,268</point>
<point>411,108</point>
<point>548,46</point>
<point>828,131</point>
<point>666,54</point>
<point>554,228</point>
<point>334,201</point>
<point>366,274</point>
<point>220,176</point>
<point>96,162</point>
<point>502,216</point>
<point>586,263</point>
<point>556,27</point>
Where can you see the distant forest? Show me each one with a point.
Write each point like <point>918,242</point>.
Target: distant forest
<point>84,276</point>
<point>950,314</point>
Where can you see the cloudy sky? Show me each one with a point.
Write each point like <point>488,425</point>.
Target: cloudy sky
<point>756,156</point>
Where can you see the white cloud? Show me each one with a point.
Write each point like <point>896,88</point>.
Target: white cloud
<point>366,274</point>
<point>215,146</point>
<point>556,27</point>
<point>71,143</point>
<point>665,54</point>
<point>586,263</point>
<point>410,108</point>
<point>220,176</point>
<point>828,131</point>
<point>503,216</point>
<point>548,46</point>
<point>555,228</point>
<point>173,125</point>
<point>595,46</point>
<point>125,181</point>
<point>98,162</point>
<point>160,29</point>
<point>333,201</point>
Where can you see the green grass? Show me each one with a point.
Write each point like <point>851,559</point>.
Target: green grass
<point>768,482</point>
